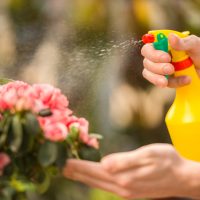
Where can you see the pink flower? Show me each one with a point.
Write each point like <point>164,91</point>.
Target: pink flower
<point>19,96</point>
<point>93,142</point>
<point>4,161</point>
<point>16,96</point>
<point>19,86</point>
<point>55,132</point>
<point>83,125</point>
<point>50,97</point>
<point>61,116</point>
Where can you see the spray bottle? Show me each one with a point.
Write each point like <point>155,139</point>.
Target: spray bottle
<point>183,117</point>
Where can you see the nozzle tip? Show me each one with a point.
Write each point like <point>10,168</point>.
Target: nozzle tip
<point>148,38</point>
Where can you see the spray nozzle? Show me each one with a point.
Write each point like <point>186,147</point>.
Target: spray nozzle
<point>159,38</point>
<point>148,38</point>
<point>159,43</point>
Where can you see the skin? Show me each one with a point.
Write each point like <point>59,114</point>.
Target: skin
<point>157,63</point>
<point>152,171</point>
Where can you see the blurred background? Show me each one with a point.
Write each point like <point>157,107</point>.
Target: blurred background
<point>89,49</point>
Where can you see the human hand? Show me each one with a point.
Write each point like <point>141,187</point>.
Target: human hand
<point>154,171</point>
<point>149,172</point>
<point>92,174</point>
<point>157,63</point>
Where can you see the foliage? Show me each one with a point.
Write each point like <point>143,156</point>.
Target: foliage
<point>86,27</point>
<point>30,153</point>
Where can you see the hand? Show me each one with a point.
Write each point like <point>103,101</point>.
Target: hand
<point>93,174</point>
<point>154,171</point>
<point>157,63</point>
<point>148,172</point>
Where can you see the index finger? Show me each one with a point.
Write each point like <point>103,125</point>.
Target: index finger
<point>91,169</point>
<point>154,55</point>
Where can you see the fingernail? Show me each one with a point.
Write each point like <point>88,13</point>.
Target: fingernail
<point>186,80</point>
<point>168,70</point>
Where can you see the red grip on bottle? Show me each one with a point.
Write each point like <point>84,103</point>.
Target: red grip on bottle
<point>182,64</point>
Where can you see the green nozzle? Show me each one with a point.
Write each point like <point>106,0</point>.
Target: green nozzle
<point>162,43</point>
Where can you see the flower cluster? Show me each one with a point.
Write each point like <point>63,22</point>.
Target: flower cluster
<point>19,96</point>
<point>36,123</point>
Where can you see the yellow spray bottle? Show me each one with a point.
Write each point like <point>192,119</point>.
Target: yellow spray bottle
<point>183,118</point>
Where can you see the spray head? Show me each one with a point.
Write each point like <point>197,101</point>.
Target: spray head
<point>159,38</point>
<point>159,43</point>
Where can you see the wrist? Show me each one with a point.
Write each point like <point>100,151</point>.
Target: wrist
<point>189,176</point>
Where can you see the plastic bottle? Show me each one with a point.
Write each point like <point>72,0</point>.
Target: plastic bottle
<point>183,117</point>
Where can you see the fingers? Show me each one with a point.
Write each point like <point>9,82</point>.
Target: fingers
<point>180,44</point>
<point>154,72</point>
<point>175,82</point>
<point>91,169</point>
<point>134,178</point>
<point>156,56</point>
<point>96,183</point>
<point>198,72</point>
<point>134,160</point>
<point>158,68</point>
<point>118,161</point>
<point>156,79</point>
<point>156,63</point>
<point>94,175</point>
<point>115,163</point>
<point>176,42</point>
<point>161,81</point>
<point>184,44</point>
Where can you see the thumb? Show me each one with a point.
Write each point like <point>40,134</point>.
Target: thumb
<point>183,44</point>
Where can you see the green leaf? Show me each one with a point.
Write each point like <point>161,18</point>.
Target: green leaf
<point>74,132</point>
<point>62,155</point>
<point>73,135</point>
<point>27,141</point>
<point>21,185</point>
<point>3,137</point>
<point>30,128</point>
<point>47,153</point>
<point>42,181</point>
<point>31,124</point>
<point>4,126</point>
<point>17,133</point>
<point>86,152</point>
<point>4,81</point>
<point>52,171</point>
<point>97,136</point>
<point>8,129</point>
